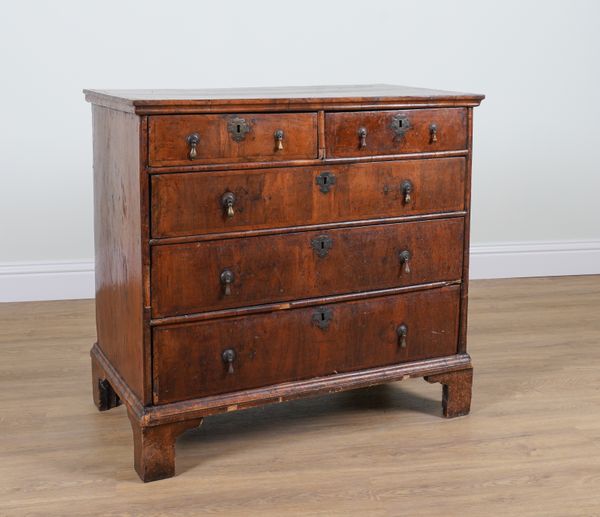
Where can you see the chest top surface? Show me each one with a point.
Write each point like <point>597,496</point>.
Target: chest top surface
<point>149,100</point>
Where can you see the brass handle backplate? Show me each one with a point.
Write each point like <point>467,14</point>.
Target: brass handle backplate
<point>227,277</point>
<point>228,358</point>
<point>192,141</point>
<point>227,202</point>
<point>279,139</point>
<point>402,332</point>
<point>362,135</point>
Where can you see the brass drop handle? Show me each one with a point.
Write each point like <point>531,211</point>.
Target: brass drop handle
<point>228,358</point>
<point>433,133</point>
<point>192,141</point>
<point>227,202</point>
<point>227,278</point>
<point>362,134</point>
<point>406,189</point>
<point>405,257</point>
<point>279,139</point>
<point>402,332</point>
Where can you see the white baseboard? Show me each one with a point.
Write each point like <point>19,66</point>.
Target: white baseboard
<point>73,280</point>
<point>526,259</point>
<point>21,282</point>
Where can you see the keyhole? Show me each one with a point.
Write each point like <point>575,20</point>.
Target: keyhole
<point>239,128</point>
<point>322,316</point>
<point>324,180</point>
<point>399,123</point>
<point>322,245</point>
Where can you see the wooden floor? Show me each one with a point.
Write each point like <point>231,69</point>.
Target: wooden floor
<point>531,446</point>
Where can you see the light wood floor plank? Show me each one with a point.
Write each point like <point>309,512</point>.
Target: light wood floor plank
<point>531,446</point>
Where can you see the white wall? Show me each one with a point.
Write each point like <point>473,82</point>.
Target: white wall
<point>536,173</point>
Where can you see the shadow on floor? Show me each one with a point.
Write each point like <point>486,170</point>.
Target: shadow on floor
<point>326,410</point>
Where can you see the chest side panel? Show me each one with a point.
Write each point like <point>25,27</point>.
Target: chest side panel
<point>117,240</point>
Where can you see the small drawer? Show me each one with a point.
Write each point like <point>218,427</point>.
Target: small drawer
<point>200,139</point>
<point>221,356</point>
<point>372,133</point>
<point>203,203</point>
<point>205,276</point>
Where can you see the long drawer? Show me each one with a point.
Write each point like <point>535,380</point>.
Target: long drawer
<point>198,203</point>
<point>204,276</point>
<point>219,356</point>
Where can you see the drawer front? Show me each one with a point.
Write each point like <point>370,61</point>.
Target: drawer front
<point>191,139</point>
<point>221,356</point>
<point>370,133</point>
<point>204,276</point>
<point>198,203</point>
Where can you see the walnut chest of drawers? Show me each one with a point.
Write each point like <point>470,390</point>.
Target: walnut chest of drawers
<point>259,245</point>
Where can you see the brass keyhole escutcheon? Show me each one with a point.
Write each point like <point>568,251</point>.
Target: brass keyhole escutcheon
<point>238,128</point>
<point>400,124</point>
<point>321,245</point>
<point>322,317</point>
<point>325,180</point>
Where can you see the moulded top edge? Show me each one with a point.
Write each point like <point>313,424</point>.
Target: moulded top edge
<point>287,95</point>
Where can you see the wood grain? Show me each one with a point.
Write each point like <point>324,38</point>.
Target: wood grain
<point>190,204</point>
<point>186,278</point>
<point>290,345</point>
<point>531,444</point>
<point>343,141</point>
<point>118,244</point>
<point>168,144</point>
